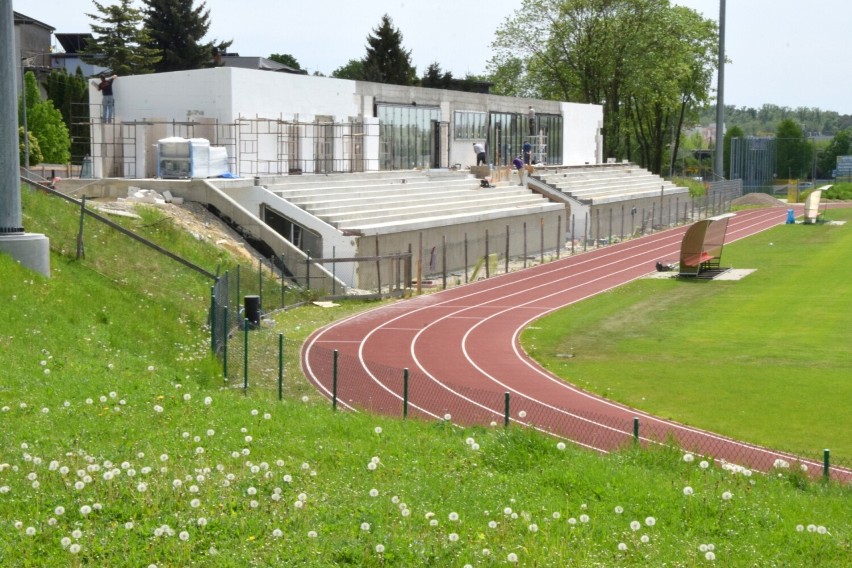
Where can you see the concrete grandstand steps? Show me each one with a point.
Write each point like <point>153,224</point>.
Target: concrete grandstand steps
<point>607,184</point>
<point>503,198</point>
<point>370,191</point>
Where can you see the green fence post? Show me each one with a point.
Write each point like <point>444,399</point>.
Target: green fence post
<point>245,355</point>
<point>826,463</point>
<point>636,429</point>
<point>260,283</point>
<point>213,319</point>
<point>506,410</point>
<point>225,345</point>
<point>280,366</point>
<point>405,393</point>
<point>334,382</point>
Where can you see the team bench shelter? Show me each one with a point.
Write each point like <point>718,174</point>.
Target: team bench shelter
<point>701,248</point>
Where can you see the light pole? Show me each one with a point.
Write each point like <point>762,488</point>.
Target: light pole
<point>24,101</point>
<point>720,99</point>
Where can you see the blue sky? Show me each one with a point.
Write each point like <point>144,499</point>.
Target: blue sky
<point>782,52</point>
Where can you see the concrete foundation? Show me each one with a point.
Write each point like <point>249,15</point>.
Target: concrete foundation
<point>32,250</point>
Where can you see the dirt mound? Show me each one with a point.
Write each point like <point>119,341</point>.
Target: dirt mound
<point>758,200</point>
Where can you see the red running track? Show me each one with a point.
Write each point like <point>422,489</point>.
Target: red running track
<point>459,349</point>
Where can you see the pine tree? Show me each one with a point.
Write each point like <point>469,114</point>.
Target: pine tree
<point>120,42</point>
<point>386,61</point>
<point>175,28</point>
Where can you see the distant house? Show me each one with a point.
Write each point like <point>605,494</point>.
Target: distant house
<point>73,44</point>
<point>32,44</point>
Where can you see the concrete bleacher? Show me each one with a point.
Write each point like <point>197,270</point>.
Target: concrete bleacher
<point>368,202</point>
<point>609,183</point>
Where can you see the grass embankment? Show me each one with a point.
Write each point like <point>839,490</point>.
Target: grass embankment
<point>762,359</point>
<point>120,447</point>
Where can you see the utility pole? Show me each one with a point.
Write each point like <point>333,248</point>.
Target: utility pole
<point>719,166</point>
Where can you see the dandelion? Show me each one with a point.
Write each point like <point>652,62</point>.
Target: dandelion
<point>469,441</point>
<point>448,417</point>
<point>85,510</point>
<point>312,534</point>
<point>142,487</point>
<point>380,548</point>
<point>704,464</point>
<point>371,466</point>
<point>622,547</point>
<point>433,522</point>
<point>522,414</point>
<point>618,509</point>
<point>821,530</point>
<point>635,525</point>
<point>30,531</point>
<point>365,527</point>
<point>187,396</point>
<point>184,536</point>
<point>727,496</point>
<point>65,542</point>
<point>560,446</point>
<point>557,515</point>
<point>254,412</point>
<point>533,528</point>
<point>584,518</point>
<point>572,521</point>
<point>158,408</point>
<point>208,401</point>
<point>195,503</point>
<point>645,539</point>
<point>60,510</point>
<point>710,555</point>
<point>512,557</point>
<point>687,491</point>
<point>453,537</point>
<point>305,398</point>
<point>128,525</point>
<point>374,492</point>
<point>74,548</point>
<point>800,528</point>
<point>453,516</point>
<point>507,511</point>
<point>377,429</point>
<point>650,521</point>
<point>812,528</point>
<point>688,458</point>
<point>492,524</point>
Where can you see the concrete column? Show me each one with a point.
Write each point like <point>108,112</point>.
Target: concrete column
<point>33,251</point>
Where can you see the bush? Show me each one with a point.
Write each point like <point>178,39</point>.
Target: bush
<point>839,191</point>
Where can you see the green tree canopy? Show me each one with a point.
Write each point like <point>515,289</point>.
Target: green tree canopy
<point>286,59</point>
<point>436,79</point>
<point>386,60</point>
<point>176,28</point>
<point>840,145</point>
<point>794,154</point>
<point>120,42</point>
<point>648,63</point>
<point>353,70</point>
<point>70,95</point>
<point>45,124</point>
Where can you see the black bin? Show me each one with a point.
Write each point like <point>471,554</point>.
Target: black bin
<point>252,313</point>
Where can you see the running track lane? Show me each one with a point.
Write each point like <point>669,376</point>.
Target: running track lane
<point>460,347</point>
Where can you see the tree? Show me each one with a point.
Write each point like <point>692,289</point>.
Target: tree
<point>648,63</point>
<point>70,95</point>
<point>120,44</point>
<point>840,145</point>
<point>733,132</point>
<point>175,28</point>
<point>33,151</point>
<point>794,152</point>
<point>386,61</point>
<point>354,70</point>
<point>286,59</point>
<point>45,124</point>
<point>435,79</point>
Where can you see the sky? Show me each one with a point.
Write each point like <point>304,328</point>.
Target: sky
<point>783,52</point>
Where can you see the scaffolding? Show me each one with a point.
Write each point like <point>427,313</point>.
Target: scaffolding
<point>255,146</point>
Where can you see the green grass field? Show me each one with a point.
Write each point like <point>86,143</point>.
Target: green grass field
<point>762,359</point>
<point>120,445</point>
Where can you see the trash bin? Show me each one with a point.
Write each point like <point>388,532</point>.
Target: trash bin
<point>252,307</point>
<point>791,217</point>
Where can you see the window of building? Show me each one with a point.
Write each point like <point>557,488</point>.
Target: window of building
<point>406,135</point>
<point>470,125</point>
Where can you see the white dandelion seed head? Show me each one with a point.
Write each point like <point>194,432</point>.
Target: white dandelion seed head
<point>365,527</point>
<point>522,414</point>
<point>650,521</point>
<point>560,446</point>
<point>688,458</point>
<point>380,548</point>
<point>453,516</point>
<point>374,492</point>
<point>584,518</point>
<point>710,555</point>
<point>454,537</point>
<point>645,539</point>
<point>622,547</point>
<point>687,491</point>
<point>727,496</point>
<point>533,528</point>
<point>512,557</point>
<point>635,525</point>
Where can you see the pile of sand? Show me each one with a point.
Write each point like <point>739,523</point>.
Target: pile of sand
<point>758,200</point>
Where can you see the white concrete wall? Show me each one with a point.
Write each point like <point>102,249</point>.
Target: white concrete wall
<point>583,143</point>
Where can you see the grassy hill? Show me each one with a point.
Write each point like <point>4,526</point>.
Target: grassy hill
<point>122,446</point>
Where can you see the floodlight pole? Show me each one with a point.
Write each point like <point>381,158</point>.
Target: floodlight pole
<point>719,165</point>
<point>31,250</point>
